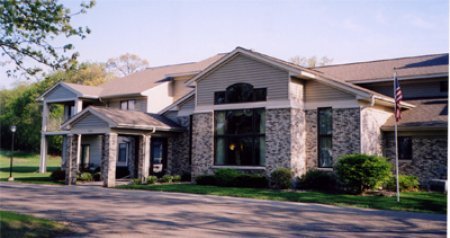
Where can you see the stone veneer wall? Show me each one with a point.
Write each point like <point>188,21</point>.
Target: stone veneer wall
<point>202,143</point>
<point>311,139</point>
<point>372,119</point>
<point>346,131</point>
<point>178,149</point>
<point>298,138</point>
<point>346,134</point>
<point>278,139</point>
<point>429,157</point>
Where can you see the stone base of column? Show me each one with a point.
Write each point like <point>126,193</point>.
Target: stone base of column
<point>109,158</point>
<point>71,167</point>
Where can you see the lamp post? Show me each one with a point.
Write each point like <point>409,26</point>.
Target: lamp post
<point>13,130</point>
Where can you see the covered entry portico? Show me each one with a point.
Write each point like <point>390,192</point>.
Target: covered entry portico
<point>111,126</point>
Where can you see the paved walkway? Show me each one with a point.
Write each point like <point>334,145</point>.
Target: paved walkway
<point>100,212</point>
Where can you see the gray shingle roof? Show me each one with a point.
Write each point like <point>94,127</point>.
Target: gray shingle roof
<point>86,91</point>
<point>148,78</point>
<point>136,119</point>
<point>425,65</point>
<point>427,113</point>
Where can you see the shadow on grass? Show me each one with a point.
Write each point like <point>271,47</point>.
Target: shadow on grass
<point>417,202</point>
<point>19,225</point>
<point>27,169</point>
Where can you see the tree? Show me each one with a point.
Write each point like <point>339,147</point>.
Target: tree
<point>311,62</point>
<point>91,74</point>
<point>126,64</point>
<point>28,29</point>
<point>18,106</point>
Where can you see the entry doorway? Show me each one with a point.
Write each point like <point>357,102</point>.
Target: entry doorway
<point>158,156</point>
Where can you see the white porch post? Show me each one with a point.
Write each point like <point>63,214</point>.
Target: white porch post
<point>43,152</point>
<point>78,151</point>
<point>78,106</point>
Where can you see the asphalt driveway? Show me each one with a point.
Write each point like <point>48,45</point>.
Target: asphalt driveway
<point>101,212</point>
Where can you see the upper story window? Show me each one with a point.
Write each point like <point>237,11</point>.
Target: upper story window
<point>240,92</point>
<point>128,104</point>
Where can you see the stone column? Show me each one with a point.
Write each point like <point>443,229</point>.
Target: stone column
<point>144,157</point>
<point>109,158</point>
<point>71,160</point>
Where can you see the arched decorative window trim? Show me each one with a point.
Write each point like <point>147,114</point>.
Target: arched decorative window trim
<point>240,93</point>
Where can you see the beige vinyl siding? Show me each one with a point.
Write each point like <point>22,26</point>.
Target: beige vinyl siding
<point>59,92</point>
<point>425,88</point>
<point>140,104</point>
<point>296,91</point>
<point>179,88</point>
<point>315,91</point>
<point>242,69</point>
<point>90,121</point>
<point>95,147</point>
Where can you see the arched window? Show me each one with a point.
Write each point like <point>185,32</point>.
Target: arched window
<point>240,92</point>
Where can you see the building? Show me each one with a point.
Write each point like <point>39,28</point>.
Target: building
<point>252,112</point>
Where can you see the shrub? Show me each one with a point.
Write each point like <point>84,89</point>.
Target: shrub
<point>176,178</point>
<point>136,181</point>
<point>97,176</point>
<point>58,175</point>
<point>405,182</point>
<point>226,177</point>
<point>85,177</point>
<point>152,179</point>
<point>166,179</point>
<point>359,172</point>
<point>281,178</point>
<point>250,181</point>
<point>206,180</point>
<point>317,180</point>
<point>186,177</point>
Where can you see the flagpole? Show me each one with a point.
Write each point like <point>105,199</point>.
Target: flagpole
<point>396,139</point>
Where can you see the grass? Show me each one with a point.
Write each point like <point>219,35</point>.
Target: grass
<point>26,167</point>
<point>18,225</point>
<point>410,201</point>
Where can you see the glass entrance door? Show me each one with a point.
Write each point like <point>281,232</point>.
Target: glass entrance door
<point>158,158</point>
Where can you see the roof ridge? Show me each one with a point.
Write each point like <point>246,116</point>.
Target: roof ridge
<point>379,60</point>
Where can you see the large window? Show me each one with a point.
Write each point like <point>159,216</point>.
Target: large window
<point>404,148</point>
<point>240,92</point>
<point>239,137</point>
<point>325,134</point>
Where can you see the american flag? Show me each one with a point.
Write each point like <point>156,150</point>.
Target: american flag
<point>398,99</point>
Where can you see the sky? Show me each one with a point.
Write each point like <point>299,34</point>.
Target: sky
<point>169,32</point>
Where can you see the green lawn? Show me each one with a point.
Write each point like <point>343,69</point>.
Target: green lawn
<point>410,201</point>
<point>18,225</point>
<point>26,167</point>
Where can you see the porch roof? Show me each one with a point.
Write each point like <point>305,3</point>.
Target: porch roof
<point>429,114</point>
<point>123,119</point>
